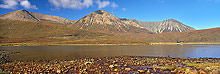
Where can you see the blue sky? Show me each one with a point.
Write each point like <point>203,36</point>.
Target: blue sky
<point>200,14</point>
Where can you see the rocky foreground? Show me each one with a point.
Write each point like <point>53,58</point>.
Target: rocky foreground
<point>119,64</point>
<point>4,55</point>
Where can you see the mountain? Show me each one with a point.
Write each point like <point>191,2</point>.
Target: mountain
<point>169,25</point>
<point>96,28</point>
<point>23,29</point>
<point>205,35</point>
<point>41,33</point>
<point>23,15</point>
<point>52,19</point>
<point>103,21</point>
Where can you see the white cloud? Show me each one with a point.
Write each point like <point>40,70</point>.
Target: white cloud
<point>102,4</point>
<point>114,5</point>
<point>12,4</point>
<point>26,4</point>
<point>9,4</point>
<point>80,4</point>
<point>74,4</point>
<point>88,3</point>
<point>124,9</point>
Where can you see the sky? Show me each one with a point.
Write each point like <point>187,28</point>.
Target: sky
<point>200,14</point>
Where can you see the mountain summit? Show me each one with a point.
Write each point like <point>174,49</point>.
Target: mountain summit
<point>24,15</point>
<point>169,25</point>
<point>105,22</point>
<point>21,15</point>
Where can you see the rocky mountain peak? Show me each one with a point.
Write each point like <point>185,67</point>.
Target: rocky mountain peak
<point>170,20</point>
<point>21,15</point>
<point>24,15</point>
<point>170,25</point>
<point>23,10</point>
<point>103,21</point>
<point>101,15</point>
<point>101,12</point>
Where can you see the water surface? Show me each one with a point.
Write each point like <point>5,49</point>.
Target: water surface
<point>35,52</point>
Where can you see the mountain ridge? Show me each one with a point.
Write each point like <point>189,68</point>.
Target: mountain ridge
<point>103,21</point>
<point>24,15</point>
<point>21,15</point>
<point>96,27</point>
<point>204,35</point>
<point>170,25</point>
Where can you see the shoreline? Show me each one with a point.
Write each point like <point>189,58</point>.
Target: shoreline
<point>128,64</point>
<point>153,43</point>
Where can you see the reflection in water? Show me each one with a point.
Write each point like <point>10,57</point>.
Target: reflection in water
<point>29,52</point>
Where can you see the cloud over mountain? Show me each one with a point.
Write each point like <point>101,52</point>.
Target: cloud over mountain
<point>81,4</point>
<point>102,4</point>
<point>26,4</point>
<point>114,5</point>
<point>74,4</point>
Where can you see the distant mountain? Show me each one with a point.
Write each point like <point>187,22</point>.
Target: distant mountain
<point>105,22</point>
<point>169,25</point>
<point>23,15</point>
<point>205,35</point>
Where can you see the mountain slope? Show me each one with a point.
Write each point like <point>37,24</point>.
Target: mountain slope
<point>22,29</point>
<point>52,19</point>
<point>169,25</point>
<point>23,15</point>
<point>41,33</point>
<point>105,22</point>
<point>206,35</point>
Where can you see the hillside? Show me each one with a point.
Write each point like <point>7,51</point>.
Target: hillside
<point>39,33</point>
<point>169,25</point>
<point>52,19</point>
<point>23,29</point>
<point>206,35</point>
<point>103,21</point>
<point>24,15</point>
<point>20,15</point>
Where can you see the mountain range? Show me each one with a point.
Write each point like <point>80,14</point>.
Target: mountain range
<point>102,21</point>
<point>97,26</point>
<point>169,25</point>
<point>105,22</point>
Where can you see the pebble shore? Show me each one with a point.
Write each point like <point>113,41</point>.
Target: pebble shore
<point>4,55</point>
<point>116,65</point>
